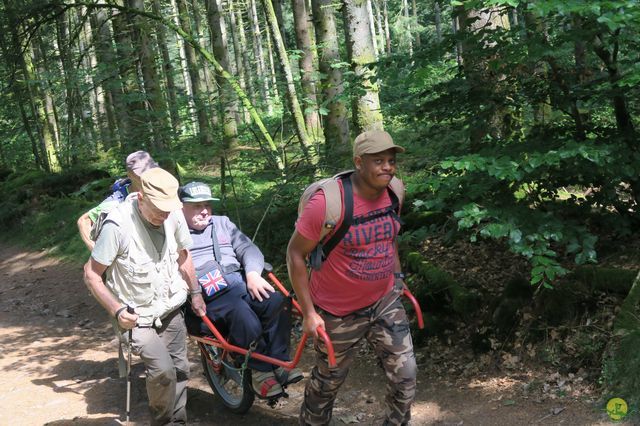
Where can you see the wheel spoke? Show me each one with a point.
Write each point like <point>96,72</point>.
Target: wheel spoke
<point>227,382</point>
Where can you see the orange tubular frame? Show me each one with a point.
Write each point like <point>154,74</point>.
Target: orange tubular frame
<point>219,341</point>
<point>405,292</point>
<point>416,307</point>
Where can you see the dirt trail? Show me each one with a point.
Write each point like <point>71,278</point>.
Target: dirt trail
<point>58,365</point>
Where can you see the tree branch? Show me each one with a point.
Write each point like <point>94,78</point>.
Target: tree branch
<point>57,7</point>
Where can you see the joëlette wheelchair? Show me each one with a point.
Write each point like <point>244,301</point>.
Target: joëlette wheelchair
<point>230,377</point>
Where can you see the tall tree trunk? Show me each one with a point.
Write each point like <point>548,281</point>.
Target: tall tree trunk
<point>239,70</point>
<point>228,99</point>
<point>536,35</point>
<point>380,27</point>
<point>366,106</point>
<point>110,76</point>
<point>272,68</point>
<point>415,18</point>
<point>580,56</point>
<point>11,50</point>
<point>579,52</point>
<point>218,30</point>
<point>513,17</point>
<point>292,97</point>
<point>336,125</point>
<point>73,100</point>
<point>39,150</point>
<point>156,105</point>
<point>455,28</point>
<point>372,28</point>
<point>495,118</point>
<point>245,56</point>
<point>387,32</point>
<point>258,55</point>
<point>96,104</point>
<point>44,112</point>
<point>624,121</point>
<point>206,138</point>
<point>205,70</point>
<point>135,109</point>
<point>307,71</point>
<point>97,95</point>
<point>186,79</point>
<point>405,12</point>
<point>167,70</point>
<point>437,18</point>
<point>71,127</point>
<point>277,6</point>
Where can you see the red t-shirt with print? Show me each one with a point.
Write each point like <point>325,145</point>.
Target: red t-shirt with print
<point>359,270</point>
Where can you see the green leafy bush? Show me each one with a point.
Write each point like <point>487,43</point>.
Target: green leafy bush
<point>513,144</point>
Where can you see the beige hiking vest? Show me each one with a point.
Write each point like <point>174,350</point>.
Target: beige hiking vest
<point>143,278</point>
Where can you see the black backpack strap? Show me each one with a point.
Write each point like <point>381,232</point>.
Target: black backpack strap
<point>392,210</point>
<point>322,250</point>
<point>395,206</point>
<point>347,218</point>
<point>216,246</point>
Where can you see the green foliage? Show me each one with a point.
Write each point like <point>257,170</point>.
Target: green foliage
<point>610,280</point>
<point>42,213</point>
<point>512,143</point>
<point>521,140</point>
<point>516,198</point>
<point>621,367</point>
<point>404,29</point>
<point>432,284</point>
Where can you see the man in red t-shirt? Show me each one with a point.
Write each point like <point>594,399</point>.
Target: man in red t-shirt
<point>355,293</point>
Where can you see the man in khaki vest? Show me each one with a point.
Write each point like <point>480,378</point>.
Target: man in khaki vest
<point>144,250</point>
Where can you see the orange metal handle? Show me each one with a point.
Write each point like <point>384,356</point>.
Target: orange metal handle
<point>321,333</point>
<point>416,307</point>
<point>327,341</point>
<point>278,284</point>
<point>296,307</point>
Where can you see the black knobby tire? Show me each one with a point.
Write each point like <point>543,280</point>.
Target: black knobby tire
<point>230,385</point>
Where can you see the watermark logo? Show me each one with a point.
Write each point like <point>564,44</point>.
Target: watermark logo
<point>617,408</point>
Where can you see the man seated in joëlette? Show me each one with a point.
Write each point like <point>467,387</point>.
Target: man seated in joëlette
<point>238,299</point>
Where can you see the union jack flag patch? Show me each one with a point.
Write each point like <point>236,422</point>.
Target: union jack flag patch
<point>212,282</point>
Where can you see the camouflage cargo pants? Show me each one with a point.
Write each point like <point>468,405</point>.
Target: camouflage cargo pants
<point>386,328</point>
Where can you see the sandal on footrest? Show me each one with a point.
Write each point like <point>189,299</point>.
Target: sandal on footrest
<point>265,384</point>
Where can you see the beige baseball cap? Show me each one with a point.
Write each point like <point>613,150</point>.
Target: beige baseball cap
<point>372,142</point>
<point>161,189</point>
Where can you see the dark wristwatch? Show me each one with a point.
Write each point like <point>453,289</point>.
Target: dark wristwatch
<point>398,275</point>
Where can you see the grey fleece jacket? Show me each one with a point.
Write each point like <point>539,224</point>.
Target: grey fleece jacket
<point>236,249</point>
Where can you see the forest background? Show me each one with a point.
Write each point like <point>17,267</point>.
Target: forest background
<point>518,118</point>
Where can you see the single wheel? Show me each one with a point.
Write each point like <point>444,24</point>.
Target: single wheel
<point>228,383</point>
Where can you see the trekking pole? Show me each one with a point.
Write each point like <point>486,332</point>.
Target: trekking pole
<point>131,311</point>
